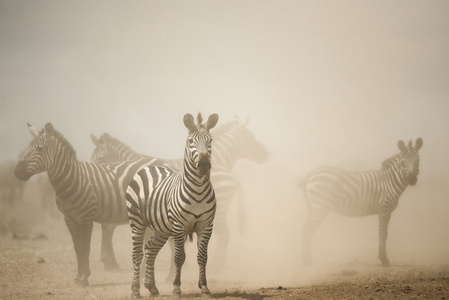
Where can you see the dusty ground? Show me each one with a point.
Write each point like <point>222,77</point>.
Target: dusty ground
<point>37,260</point>
<point>34,266</point>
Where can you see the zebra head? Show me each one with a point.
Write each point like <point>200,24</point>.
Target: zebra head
<point>40,153</point>
<point>199,144</point>
<point>248,146</point>
<point>409,160</point>
<point>103,152</point>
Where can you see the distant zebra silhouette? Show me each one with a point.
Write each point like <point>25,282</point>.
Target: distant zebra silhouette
<point>232,142</point>
<point>360,193</point>
<point>174,203</point>
<point>85,192</point>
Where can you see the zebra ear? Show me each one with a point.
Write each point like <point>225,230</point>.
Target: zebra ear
<point>94,139</point>
<point>106,138</point>
<point>49,129</point>
<point>33,130</point>
<point>189,122</point>
<point>212,121</point>
<point>402,146</point>
<point>418,144</point>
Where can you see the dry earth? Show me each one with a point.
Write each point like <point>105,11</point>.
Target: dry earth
<point>37,261</point>
<point>42,266</point>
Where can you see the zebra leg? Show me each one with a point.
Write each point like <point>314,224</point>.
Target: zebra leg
<point>138,232</point>
<point>203,242</point>
<point>107,251</point>
<point>179,238</point>
<point>222,244</point>
<point>171,273</point>
<point>313,220</point>
<point>81,236</point>
<point>155,243</point>
<point>384,219</point>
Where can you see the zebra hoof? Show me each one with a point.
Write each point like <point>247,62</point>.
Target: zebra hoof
<point>205,293</point>
<point>177,292</point>
<point>135,294</point>
<point>154,292</point>
<point>81,282</point>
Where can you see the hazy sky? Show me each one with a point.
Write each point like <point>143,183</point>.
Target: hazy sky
<point>322,81</point>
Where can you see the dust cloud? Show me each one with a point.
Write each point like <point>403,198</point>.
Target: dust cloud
<point>322,82</point>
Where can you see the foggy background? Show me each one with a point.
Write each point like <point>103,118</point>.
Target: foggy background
<point>323,83</point>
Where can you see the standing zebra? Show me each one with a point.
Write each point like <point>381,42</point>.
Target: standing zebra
<point>232,142</point>
<point>85,192</point>
<point>174,203</point>
<point>360,193</point>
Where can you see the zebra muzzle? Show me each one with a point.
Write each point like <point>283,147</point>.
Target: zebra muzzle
<point>21,171</point>
<point>412,179</point>
<point>204,165</point>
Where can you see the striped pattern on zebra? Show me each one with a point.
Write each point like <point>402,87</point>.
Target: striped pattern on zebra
<point>232,142</point>
<point>110,150</point>
<point>174,203</point>
<point>360,193</point>
<point>85,192</point>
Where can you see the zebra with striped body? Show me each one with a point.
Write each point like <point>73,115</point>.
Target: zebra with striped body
<point>85,192</point>
<point>108,151</point>
<point>174,203</point>
<point>232,142</point>
<point>360,193</point>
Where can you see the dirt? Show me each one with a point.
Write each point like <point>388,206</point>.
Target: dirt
<point>37,261</point>
<point>42,265</point>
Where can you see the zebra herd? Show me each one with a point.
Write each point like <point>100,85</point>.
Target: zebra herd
<point>176,198</point>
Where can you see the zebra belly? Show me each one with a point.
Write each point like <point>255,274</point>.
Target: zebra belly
<point>199,216</point>
<point>343,192</point>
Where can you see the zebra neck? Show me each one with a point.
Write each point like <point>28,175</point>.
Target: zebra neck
<point>192,180</point>
<point>64,174</point>
<point>395,178</point>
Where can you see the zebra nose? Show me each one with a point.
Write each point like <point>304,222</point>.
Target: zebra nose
<point>21,172</point>
<point>204,164</point>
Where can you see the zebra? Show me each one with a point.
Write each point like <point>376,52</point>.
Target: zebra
<point>85,192</point>
<point>232,142</point>
<point>360,193</point>
<point>174,203</point>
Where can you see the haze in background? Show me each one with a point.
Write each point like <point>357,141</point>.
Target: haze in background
<point>322,82</point>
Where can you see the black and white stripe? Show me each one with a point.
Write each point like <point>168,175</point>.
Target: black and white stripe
<point>232,142</point>
<point>174,203</point>
<point>360,193</point>
<point>85,192</point>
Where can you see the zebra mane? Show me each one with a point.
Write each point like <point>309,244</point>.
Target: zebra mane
<point>110,140</point>
<point>200,119</point>
<point>63,141</point>
<point>390,161</point>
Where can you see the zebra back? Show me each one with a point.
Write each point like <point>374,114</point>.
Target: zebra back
<point>232,141</point>
<point>111,150</point>
<point>85,191</point>
<point>362,193</point>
